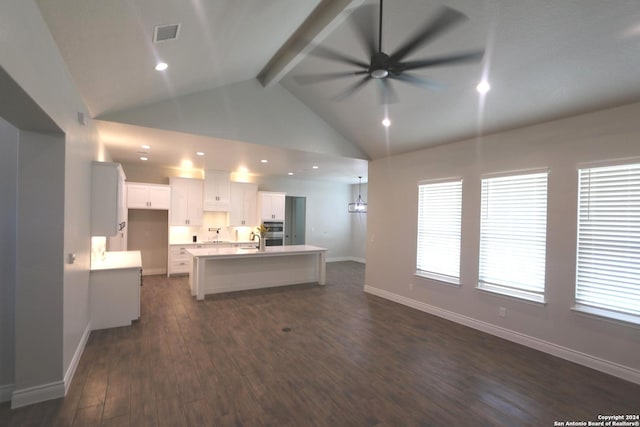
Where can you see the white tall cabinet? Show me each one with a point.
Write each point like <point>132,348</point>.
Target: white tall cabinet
<point>186,201</point>
<point>271,206</point>
<point>243,207</point>
<point>217,191</point>
<point>108,199</point>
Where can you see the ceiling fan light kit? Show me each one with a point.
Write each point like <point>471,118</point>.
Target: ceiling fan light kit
<point>385,67</point>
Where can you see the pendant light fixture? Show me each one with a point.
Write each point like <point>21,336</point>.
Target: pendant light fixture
<point>359,206</point>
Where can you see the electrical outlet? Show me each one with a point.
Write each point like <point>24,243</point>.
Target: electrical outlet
<point>502,312</point>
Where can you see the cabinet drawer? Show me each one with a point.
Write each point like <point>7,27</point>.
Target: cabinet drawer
<point>179,267</point>
<point>179,250</point>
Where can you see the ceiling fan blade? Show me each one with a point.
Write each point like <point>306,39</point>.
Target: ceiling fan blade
<point>418,81</point>
<point>387,93</point>
<point>351,89</point>
<point>306,79</point>
<point>363,20</point>
<point>325,52</point>
<point>444,60</point>
<point>446,19</point>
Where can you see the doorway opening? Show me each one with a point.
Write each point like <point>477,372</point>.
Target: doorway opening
<point>295,215</point>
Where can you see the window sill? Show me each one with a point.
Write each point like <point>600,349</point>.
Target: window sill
<point>608,315</point>
<point>512,293</point>
<point>446,280</point>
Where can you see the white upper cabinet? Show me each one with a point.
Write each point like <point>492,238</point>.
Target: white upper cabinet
<point>271,206</point>
<point>186,201</point>
<point>243,204</point>
<point>108,207</point>
<point>148,196</point>
<point>217,191</point>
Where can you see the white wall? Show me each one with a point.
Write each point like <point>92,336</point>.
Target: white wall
<point>8,190</point>
<point>29,55</point>
<point>246,112</point>
<point>39,268</point>
<point>559,145</point>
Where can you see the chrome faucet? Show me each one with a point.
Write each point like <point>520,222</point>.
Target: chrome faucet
<point>252,237</point>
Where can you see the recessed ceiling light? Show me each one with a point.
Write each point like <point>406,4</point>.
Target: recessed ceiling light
<point>315,167</point>
<point>264,161</point>
<point>161,66</point>
<point>144,158</point>
<point>386,122</point>
<point>200,153</point>
<point>483,87</point>
<point>146,147</point>
<point>290,173</point>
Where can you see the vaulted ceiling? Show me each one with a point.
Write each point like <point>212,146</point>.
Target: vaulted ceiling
<point>544,59</point>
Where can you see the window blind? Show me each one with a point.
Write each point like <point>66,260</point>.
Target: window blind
<point>513,230</point>
<point>608,252</point>
<point>439,219</point>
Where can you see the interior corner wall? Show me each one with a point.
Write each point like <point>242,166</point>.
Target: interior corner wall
<point>39,255</point>
<point>8,210</point>
<point>29,55</point>
<point>561,146</point>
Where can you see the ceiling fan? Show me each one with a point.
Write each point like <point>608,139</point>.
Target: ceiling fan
<point>383,67</point>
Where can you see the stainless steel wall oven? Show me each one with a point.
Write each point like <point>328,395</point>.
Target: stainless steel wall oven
<point>275,233</point>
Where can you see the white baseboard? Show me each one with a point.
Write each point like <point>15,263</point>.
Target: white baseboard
<point>39,393</point>
<point>347,258</point>
<point>611,368</point>
<point>71,370</point>
<point>54,390</point>
<point>5,392</point>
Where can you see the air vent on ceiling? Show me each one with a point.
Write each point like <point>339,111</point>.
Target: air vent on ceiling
<point>163,33</point>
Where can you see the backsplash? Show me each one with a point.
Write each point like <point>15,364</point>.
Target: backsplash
<point>184,234</point>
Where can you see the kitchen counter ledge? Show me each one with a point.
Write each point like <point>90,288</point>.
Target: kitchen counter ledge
<point>216,270</point>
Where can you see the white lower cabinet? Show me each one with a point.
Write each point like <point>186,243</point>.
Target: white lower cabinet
<point>114,294</point>
<point>179,261</point>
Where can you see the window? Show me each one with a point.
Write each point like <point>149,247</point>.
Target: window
<point>513,229</point>
<point>608,252</point>
<point>439,216</point>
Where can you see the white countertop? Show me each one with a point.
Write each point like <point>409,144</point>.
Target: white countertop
<point>241,252</point>
<point>117,260</point>
<point>212,242</point>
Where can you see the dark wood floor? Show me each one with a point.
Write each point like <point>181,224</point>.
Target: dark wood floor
<point>315,356</point>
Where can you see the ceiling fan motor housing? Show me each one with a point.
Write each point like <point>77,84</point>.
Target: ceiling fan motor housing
<point>379,68</point>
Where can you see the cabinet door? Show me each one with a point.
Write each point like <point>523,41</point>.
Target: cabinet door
<point>251,205</point>
<point>186,201</point>
<point>242,211</point>
<point>277,206</point>
<point>107,187</point>
<point>194,202</point>
<point>179,197</point>
<point>159,197</point>
<point>137,196</point>
<point>216,191</point>
<point>272,206</point>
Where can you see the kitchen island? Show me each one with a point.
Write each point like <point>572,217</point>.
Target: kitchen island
<point>217,270</point>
